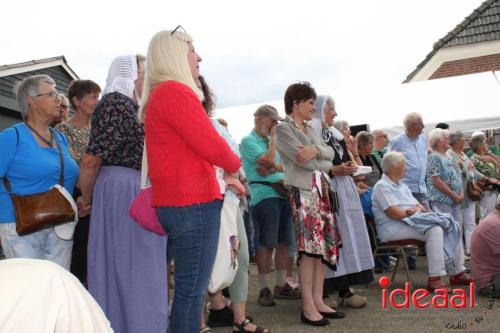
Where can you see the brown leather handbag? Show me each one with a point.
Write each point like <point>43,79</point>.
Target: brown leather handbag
<point>474,191</point>
<point>37,211</point>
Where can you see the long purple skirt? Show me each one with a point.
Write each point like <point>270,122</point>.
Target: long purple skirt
<point>127,265</point>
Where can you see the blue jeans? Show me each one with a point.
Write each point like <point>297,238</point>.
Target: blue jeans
<point>193,233</point>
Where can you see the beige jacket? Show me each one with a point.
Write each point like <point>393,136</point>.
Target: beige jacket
<point>289,139</point>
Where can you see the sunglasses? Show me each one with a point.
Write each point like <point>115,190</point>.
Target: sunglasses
<point>180,28</point>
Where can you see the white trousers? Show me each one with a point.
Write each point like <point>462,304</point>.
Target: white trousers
<point>487,203</point>
<point>468,224</point>
<point>433,239</point>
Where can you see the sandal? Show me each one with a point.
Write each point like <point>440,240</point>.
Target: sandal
<point>206,329</point>
<point>241,328</point>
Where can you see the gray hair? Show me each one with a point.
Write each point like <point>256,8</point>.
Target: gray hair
<point>411,118</point>
<point>29,87</point>
<point>340,124</point>
<point>456,137</point>
<point>476,141</point>
<point>435,135</point>
<point>392,159</point>
<point>363,138</point>
<point>330,101</point>
<point>63,97</point>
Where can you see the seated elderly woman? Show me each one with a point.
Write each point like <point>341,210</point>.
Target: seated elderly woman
<point>398,216</point>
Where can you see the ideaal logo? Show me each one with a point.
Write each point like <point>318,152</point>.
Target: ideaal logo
<point>458,300</point>
<point>419,298</point>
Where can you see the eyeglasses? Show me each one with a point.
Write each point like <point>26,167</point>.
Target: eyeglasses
<point>383,136</point>
<point>180,28</point>
<point>52,95</point>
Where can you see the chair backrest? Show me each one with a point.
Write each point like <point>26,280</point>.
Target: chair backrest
<point>373,230</point>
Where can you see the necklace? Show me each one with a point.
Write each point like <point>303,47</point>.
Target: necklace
<point>49,143</point>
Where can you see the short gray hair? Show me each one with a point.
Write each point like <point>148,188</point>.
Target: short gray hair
<point>392,159</point>
<point>29,87</point>
<point>340,124</point>
<point>435,135</point>
<point>456,137</point>
<point>411,118</point>
<point>476,141</point>
<point>363,138</point>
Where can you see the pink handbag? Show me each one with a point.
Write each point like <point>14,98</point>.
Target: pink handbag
<point>143,212</point>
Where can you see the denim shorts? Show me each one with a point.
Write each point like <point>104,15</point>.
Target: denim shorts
<point>273,222</point>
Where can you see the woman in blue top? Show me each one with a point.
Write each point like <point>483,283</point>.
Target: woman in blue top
<point>30,161</point>
<point>444,186</point>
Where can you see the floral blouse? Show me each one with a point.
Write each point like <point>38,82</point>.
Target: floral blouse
<point>78,139</point>
<point>117,136</point>
<point>446,169</point>
<point>489,169</point>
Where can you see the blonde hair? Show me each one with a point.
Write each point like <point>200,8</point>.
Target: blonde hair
<point>167,59</point>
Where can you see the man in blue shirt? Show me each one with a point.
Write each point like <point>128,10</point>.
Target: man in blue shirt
<point>413,144</point>
<point>271,212</point>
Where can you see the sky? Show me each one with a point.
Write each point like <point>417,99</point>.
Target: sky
<point>359,52</point>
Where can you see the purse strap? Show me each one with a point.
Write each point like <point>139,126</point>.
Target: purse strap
<point>61,161</point>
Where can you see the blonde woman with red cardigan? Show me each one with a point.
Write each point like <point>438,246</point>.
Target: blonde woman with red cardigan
<point>182,148</point>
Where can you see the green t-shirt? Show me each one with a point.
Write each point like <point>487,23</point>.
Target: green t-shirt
<point>252,147</point>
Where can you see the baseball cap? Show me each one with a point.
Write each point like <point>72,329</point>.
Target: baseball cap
<point>267,111</point>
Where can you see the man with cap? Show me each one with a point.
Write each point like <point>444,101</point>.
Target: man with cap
<point>271,212</point>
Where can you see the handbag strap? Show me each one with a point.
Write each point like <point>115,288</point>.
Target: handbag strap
<point>61,161</point>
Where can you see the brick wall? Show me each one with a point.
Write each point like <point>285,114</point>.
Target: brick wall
<point>468,66</point>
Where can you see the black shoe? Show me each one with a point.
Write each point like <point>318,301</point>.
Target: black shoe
<point>322,322</point>
<point>266,298</point>
<point>220,318</point>
<point>332,315</point>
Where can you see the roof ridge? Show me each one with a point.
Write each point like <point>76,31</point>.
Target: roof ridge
<point>33,62</point>
<point>462,25</point>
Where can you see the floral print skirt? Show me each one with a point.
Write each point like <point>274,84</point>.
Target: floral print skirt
<point>316,226</point>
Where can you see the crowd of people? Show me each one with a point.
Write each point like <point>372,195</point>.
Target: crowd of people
<point>302,189</point>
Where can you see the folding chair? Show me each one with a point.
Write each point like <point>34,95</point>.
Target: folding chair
<point>396,248</point>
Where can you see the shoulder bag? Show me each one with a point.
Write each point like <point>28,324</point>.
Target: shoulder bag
<point>141,210</point>
<point>278,186</point>
<point>37,211</point>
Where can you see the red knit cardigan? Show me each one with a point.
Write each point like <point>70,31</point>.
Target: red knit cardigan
<point>182,147</point>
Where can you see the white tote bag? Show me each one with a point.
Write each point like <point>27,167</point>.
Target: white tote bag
<point>226,264</point>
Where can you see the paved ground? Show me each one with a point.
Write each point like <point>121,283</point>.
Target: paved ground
<point>285,316</point>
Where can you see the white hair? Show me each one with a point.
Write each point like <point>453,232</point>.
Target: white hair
<point>392,159</point>
<point>411,118</point>
<point>435,135</point>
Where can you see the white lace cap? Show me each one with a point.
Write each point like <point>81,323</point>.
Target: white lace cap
<point>121,76</point>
